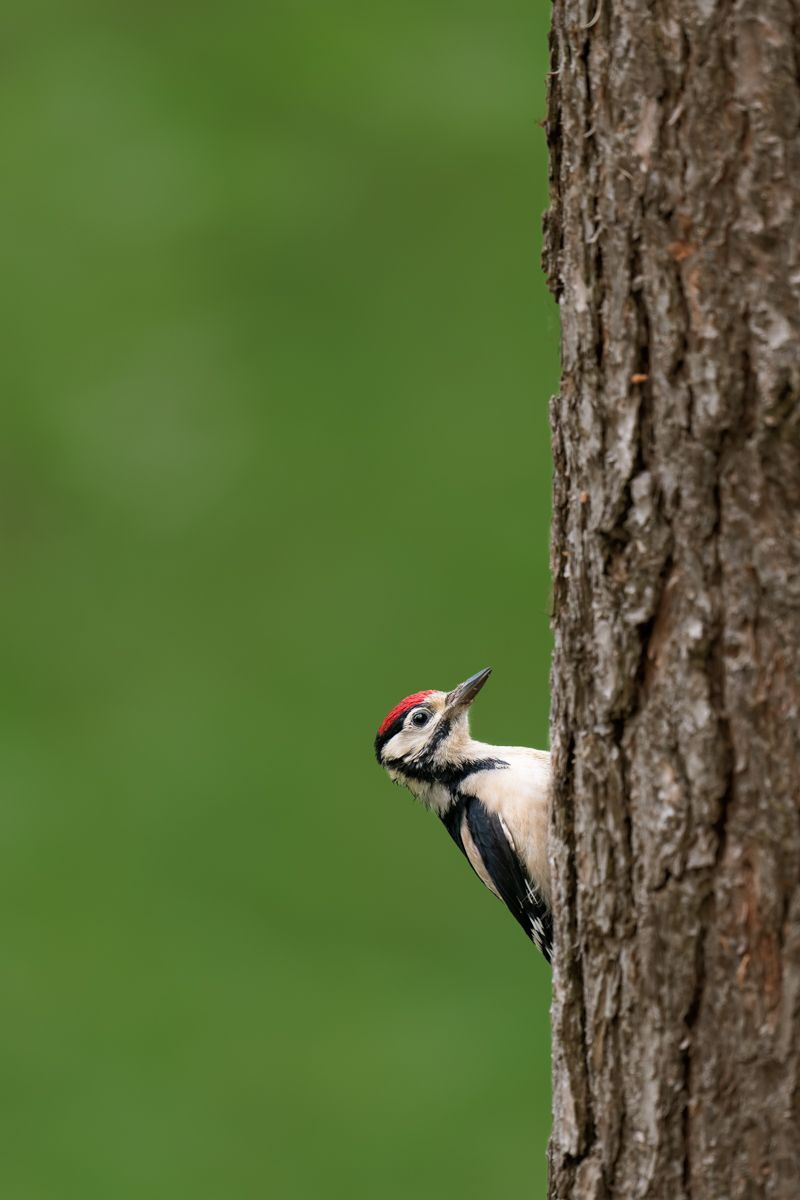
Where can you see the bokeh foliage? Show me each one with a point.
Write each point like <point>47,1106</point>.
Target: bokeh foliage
<point>275,452</point>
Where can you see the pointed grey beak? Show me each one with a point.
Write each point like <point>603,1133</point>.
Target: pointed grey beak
<point>462,696</point>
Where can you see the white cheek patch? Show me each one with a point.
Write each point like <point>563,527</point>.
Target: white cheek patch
<point>394,747</point>
<point>408,742</point>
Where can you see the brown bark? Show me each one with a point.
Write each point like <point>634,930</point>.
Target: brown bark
<point>673,246</point>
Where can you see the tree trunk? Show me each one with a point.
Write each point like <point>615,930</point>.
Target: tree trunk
<point>673,246</point>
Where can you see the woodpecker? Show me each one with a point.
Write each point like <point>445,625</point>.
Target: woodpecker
<point>493,800</point>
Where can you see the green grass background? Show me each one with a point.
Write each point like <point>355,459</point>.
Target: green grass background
<point>277,354</point>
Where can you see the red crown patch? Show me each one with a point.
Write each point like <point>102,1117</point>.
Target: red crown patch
<point>403,706</point>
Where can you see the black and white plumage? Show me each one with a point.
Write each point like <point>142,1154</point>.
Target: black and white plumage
<point>493,800</point>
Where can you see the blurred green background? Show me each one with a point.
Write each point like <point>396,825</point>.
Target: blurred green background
<point>277,354</point>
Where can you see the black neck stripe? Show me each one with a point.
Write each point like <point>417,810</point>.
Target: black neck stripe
<point>450,775</point>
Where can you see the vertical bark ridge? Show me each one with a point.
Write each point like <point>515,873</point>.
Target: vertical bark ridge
<point>673,247</point>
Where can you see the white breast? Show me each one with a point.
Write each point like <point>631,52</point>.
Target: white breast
<point>520,794</point>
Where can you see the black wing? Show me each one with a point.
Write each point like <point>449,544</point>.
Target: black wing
<point>502,872</point>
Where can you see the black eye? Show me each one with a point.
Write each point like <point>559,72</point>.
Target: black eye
<point>420,718</point>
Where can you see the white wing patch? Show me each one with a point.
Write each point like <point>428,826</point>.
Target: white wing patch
<point>537,927</point>
<point>538,930</point>
<point>533,895</point>
<point>474,858</point>
<point>507,832</point>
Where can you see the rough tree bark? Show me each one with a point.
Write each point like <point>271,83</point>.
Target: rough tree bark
<point>673,246</point>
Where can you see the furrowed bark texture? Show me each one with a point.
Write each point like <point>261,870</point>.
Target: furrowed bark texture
<point>673,246</point>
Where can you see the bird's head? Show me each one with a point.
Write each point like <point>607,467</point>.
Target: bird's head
<point>425,738</point>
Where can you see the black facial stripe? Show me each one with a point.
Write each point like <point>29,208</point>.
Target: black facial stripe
<point>441,731</point>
